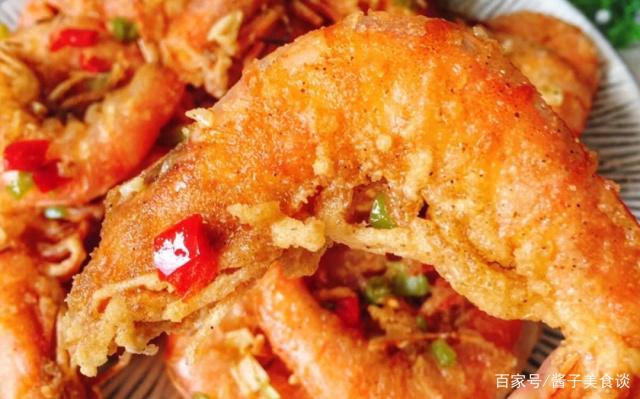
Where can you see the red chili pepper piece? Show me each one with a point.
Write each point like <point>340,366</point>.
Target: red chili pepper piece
<point>73,37</point>
<point>25,155</point>
<point>184,256</point>
<point>48,178</point>
<point>348,310</point>
<point>94,64</point>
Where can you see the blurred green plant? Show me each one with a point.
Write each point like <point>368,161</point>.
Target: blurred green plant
<point>619,20</point>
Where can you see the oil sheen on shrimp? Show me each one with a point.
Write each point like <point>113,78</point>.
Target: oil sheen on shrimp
<point>517,220</point>
<point>111,121</point>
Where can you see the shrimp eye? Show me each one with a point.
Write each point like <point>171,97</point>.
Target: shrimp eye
<point>184,256</point>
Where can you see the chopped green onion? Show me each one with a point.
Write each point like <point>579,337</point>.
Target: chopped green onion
<point>410,286</point>
<point>396,267</point>
<point>55,212</point>
<point>379,216</point>
<point>123,29</point>
<point>444,354</point>
<point>376,290</point>
<point>200,395</point>
<point>20,184</point>
<point>4,31</point>
<point>421,322</point>
<point>404,284</point>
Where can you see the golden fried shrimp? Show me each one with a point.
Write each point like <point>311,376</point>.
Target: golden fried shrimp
<point>200,44</point>
<point>57,238</point>
<point>208,42</point>
<point>151,18</point>
<point>560,86</point>
<point>36,253</point>
<point>565,40</point>
<point>111,120</point>
<point>211,373</point>
<point>481,180</point>
<point>318,348</point>
<point>43,48</point>
<point>396,332</point>
<point>213,40</point>
<point>214,368</point>
<point>29,303</point>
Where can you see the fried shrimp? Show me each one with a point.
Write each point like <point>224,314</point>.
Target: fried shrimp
<point>29,303</point>
<point>558,59</point>
<point>77,116</point>
<point>318,348</point>
<point>37,253</point>
<point>345,317</point>
<point>214,369</point>
<point>565,40</point>
<point>560,86</point>
<point>208,42</point>
<point>213,40</point>
<point>474,172</point>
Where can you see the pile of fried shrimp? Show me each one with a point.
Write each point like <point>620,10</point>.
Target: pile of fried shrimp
<point>306,199</point>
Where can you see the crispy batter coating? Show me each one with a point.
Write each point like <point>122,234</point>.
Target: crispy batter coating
<point>555,79</point>
<point>564,39</point>
<point>518,220</point>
